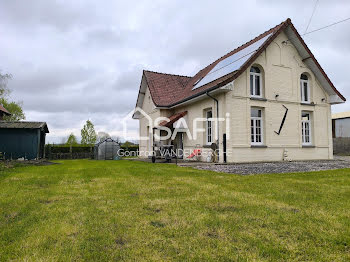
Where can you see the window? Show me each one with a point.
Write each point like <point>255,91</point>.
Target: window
<point>306,128</point>
<point>255,82</point>
<point>305,89</point>
<point>256,126</point>
<point>209,127</point>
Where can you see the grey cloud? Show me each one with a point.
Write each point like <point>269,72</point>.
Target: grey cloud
<point>47,80</point>
<point>79,60</point>
<point>103,37</point>
<point>58,14</point>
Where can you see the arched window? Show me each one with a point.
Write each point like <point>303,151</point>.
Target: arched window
<point>304,88</point>
<point>255,82</point>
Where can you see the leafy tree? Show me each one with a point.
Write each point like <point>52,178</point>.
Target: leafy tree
<point>72,140</point>
<point>101,136</point>
<point>88,134</point>
<point>15,108</point>
<point>128,143</point>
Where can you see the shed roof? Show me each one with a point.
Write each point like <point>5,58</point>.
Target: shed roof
<point>341,115</point>
<point>24,125</point>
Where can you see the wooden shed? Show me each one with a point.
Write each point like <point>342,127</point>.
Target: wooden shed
<point>22,139</point>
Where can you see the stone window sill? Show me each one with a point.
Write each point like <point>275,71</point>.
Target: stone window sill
<point>258,99</point>
<point>307,104</point>
<point>258,146</point>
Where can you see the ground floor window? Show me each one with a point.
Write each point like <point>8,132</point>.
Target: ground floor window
<point>256,123</point>
<point>306,128</point>
<point>209,127</point>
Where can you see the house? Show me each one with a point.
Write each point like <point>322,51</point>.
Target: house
<point>22,139</point>
<point>341,124</point>
<point>267,100</point>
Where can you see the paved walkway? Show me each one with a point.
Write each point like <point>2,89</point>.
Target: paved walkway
<point>277,167</point>
<point>339,162</point>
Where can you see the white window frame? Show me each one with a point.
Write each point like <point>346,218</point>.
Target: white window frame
<point>304,125</point>
<point>260,80</point>
<point>303,100</point>
<point>209,128</point>
<point>255,119</point>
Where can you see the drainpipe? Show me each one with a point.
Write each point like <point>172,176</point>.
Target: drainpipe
<point>217,116</point>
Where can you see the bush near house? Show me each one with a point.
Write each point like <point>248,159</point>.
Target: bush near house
<point>68,151</point>
<point>78,151</point>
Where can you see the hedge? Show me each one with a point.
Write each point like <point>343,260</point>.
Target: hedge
<point>63,149</point>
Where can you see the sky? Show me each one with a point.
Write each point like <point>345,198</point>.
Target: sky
<point>77,60</point>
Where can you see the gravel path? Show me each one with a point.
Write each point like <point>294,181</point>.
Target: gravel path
<point>276,167</point>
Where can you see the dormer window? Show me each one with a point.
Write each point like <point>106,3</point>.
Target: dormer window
<point>255,82</point>
<point>304,88</point>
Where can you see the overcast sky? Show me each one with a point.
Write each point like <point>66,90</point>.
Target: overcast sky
<point>78,60</point>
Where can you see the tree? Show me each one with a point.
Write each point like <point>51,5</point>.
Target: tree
<point>101,136</point>
<point>88,134</point>
<point>72,140</point>
<point>4,90</point>
<point>128,143</point>
<point>15,108</point>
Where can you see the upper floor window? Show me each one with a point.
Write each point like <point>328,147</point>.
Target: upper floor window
<point>209,127</point>
<point>306,128</point>
<point>305,88</point>
<point>256,126</point>
<point>255,82</point>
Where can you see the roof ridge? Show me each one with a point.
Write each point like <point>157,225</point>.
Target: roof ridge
<point>5,121</point>
<point>166,73</point>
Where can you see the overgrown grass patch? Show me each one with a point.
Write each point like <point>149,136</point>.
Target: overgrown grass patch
<point>126,210</point>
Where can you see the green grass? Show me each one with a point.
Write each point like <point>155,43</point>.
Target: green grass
<point>134,211</point>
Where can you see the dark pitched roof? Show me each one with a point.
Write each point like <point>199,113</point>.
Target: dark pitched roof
<point>169,90</point>
<point>165,88</point>
<point>3,109</point>
<point>24,125</point>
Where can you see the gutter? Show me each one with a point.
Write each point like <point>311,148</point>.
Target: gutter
<point>217,116</point>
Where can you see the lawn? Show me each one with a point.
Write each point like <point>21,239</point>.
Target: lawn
<point>133,211</point>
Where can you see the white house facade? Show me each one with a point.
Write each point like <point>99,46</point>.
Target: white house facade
<point>272,98</point>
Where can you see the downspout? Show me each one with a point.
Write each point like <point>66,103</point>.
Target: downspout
<point>217,116</point>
